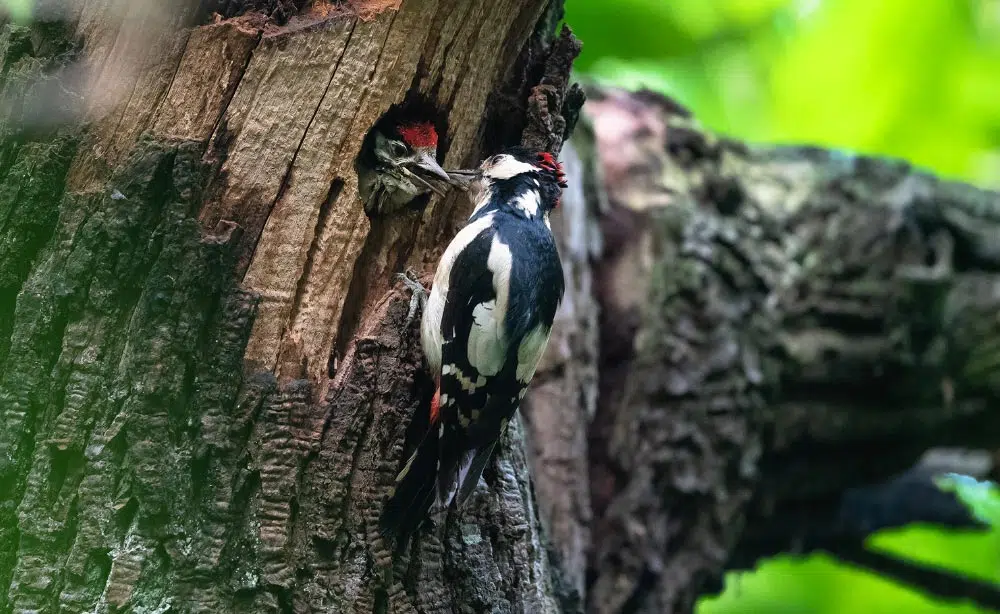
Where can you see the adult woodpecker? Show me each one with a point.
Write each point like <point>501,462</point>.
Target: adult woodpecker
<point>484,328</point>
<point>397,164</point>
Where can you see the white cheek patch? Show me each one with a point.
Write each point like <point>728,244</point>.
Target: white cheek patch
<point>530,352</point>
<point>506,167</point>
<point>528,203</point>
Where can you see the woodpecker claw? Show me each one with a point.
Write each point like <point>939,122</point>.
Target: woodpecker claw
<point>419,298</point>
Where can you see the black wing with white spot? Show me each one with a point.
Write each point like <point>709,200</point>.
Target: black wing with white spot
<point>504,289</point>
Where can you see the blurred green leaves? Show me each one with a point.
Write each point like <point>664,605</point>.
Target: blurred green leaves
<point>18,10</point>
<point>819,585</point>
<point>916,80</point>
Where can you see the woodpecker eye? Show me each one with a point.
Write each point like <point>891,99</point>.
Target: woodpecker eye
<point>397,148</point>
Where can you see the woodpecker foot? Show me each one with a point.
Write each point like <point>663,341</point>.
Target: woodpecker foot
<point>419,298</point>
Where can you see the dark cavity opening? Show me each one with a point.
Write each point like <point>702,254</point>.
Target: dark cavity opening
<point>390,178</point>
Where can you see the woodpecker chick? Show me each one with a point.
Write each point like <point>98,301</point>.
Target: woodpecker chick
<point>397,164</point>
<point>483,330</point>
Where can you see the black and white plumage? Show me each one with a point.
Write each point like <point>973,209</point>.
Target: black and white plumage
<point>485,326</point>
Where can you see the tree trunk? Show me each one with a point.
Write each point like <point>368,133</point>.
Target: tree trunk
<point>785,332</point>
<point>207,381</point>
<point>206,373</point>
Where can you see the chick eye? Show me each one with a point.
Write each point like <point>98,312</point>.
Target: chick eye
<point>398,149</point>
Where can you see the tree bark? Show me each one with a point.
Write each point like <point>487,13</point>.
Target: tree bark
<point>206,373</point>
<point>207,382</point>
<point>785,332</point>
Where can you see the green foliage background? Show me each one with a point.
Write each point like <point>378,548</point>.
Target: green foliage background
<point>911,79</point>
<point>918,80</point>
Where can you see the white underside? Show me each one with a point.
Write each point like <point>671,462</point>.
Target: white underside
<point>431,335</point>
<point>530,352</point>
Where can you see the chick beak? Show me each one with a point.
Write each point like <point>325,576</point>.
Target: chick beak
<point>426,163</point>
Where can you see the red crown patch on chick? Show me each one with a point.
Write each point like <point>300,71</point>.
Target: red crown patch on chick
<point>419,135</point>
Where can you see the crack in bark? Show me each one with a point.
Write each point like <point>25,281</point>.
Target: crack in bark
<point>286,179</point>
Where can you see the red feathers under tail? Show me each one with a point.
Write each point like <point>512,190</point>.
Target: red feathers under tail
<point>436,406</point>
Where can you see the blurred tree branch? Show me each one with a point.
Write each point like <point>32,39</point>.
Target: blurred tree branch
<point>784,333</point>
<point>934,581</point>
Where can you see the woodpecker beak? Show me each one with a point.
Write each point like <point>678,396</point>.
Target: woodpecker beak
<point>462,178</point>
<point>426,163</point>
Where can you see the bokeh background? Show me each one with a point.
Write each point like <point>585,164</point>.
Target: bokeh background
<point>912,79</point>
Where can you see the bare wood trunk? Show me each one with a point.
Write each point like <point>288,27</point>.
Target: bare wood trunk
<point>206,376</point>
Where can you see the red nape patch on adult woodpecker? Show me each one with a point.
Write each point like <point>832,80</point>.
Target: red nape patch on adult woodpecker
<point>419,135</point>
<point>548,162</point>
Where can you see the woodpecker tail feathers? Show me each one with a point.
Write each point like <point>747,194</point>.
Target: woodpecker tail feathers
<point>458,475</point>
<point>435,475</point>
<point>469,478</point>
<point>414,490</point>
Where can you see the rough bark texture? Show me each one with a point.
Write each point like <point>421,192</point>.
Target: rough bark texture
<point>207,383</point>
<point>563,396</point>
<point>783,333</point>
<point>206,376</point>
